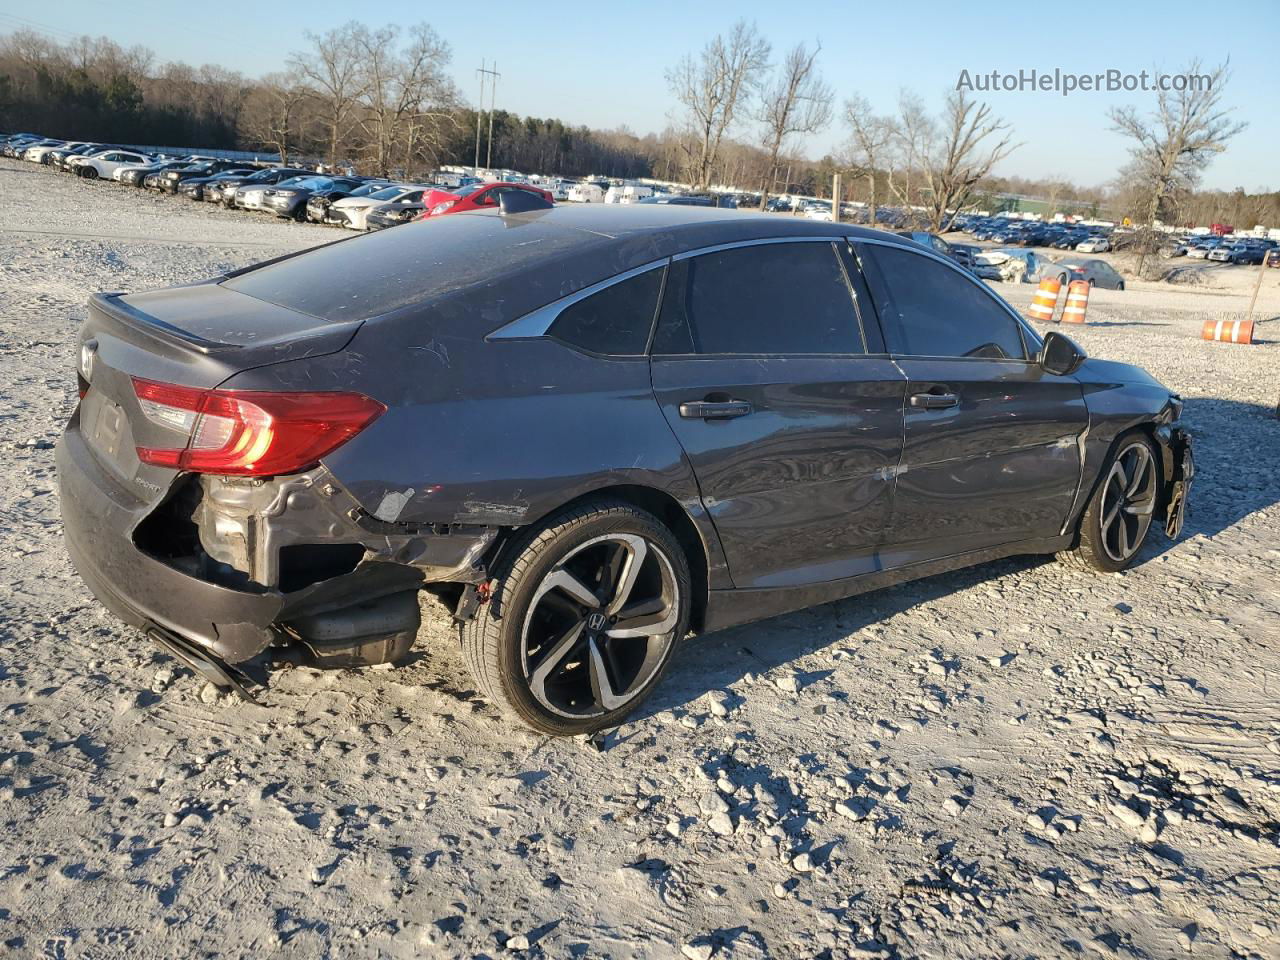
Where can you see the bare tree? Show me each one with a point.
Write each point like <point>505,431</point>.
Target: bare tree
<point>1054,191</point>
<point>913,131</point>
<point>872,142</point>
<point>966,143</point>
<point>1173,145</point>
<point>712,87</point>
<point>796,102</point>
<point>273,115</point>
<point>335,74</point>
<point>406,94</point>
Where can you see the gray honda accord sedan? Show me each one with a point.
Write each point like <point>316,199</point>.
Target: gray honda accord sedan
<point>591,431</point>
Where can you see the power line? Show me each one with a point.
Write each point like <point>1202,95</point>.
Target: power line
<point>52,32</point>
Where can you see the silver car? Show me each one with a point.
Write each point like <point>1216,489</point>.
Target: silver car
<point>1097,273</point>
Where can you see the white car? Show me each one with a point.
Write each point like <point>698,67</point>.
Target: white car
<point>105,163</point>
<point>37,153</point>
<point>1015,265</point>
<point>585,193</point>
<point>628,193</point>
<point>1093,245</point>
<point>352,211</point>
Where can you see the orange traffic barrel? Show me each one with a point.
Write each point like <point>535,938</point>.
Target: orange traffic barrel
<point>1228,331</point>
<point>1077,302</point>
<point>1045,301</point>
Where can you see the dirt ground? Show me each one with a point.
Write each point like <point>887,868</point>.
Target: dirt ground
<point>1015,760</point>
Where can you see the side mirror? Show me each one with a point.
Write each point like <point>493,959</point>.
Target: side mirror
<point>1060,355</point>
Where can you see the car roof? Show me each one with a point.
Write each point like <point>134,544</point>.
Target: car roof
<point>480,259</point>
<point>672,228</point>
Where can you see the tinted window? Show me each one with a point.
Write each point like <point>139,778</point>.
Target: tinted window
<point>788,298</point>
<point>616,321</point>
<point>939,311</point>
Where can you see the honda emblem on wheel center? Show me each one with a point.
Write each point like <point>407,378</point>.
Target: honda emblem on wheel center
<point>595,622</point>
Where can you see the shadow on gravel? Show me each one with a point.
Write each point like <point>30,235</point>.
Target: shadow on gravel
<point>717,660</point>
<point>1237,449</point>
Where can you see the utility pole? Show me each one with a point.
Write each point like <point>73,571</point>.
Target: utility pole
<point>493,99</point>
<point>479,112</point>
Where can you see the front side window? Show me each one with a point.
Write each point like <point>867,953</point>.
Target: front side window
<point>933,310</point>
<point>777,298</point>
<point>616,321</point>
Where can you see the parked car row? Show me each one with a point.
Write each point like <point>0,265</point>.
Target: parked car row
<point>291,192</point>
<point>1241,250</point>
<point>1033,233</point>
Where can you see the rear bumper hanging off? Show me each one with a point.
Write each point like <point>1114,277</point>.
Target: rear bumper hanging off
<point>356,617</point>
<point>1180,470</point>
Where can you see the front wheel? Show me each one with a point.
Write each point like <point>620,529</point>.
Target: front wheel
<point>584,615</point>
<point>1118,518</point>
<point>89,173</point>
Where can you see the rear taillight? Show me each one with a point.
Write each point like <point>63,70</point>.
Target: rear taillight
<point>251,433</point>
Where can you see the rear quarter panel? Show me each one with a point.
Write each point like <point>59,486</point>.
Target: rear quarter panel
<point>481,432</point>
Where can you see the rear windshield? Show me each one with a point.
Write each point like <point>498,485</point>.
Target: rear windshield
<point>374,274</point>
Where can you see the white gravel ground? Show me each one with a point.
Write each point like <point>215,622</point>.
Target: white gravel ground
<point>1010,761</point>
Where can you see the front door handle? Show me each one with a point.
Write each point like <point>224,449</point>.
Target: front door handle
<point>934,401</point>
<point>714,409</point>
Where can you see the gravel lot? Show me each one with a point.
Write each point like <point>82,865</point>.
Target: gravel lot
<point>1010,761</point>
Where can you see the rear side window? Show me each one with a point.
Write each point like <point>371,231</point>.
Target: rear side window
<point>932,310</point>
<point>616,321</point>
<point>778,298</point>
<point>387,270</point>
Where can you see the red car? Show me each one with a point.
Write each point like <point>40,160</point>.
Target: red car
<point>475,196</point>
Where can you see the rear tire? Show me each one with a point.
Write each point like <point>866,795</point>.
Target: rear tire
<point>542,650</point>
<point>1118,518</point>
<point>89,173</point>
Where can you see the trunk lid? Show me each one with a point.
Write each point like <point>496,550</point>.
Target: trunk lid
<point>194,336</point>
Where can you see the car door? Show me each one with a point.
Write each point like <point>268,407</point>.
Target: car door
<point>787,408</point>
<point>105,163</point>
<point>991,453</point>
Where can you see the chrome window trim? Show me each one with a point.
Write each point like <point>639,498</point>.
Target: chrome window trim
<point>1030,338</point>
<point>537,322</point>
<point>763,241</point>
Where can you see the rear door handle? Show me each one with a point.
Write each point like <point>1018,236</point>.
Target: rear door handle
<point>714,409</point>
<point>934,401</point>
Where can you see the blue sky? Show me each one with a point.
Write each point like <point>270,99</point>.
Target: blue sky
<point>602,65</point>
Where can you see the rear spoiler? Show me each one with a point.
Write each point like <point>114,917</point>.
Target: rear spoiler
<point>115,308</point>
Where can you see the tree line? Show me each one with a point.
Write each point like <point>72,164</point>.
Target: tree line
<point>382,100</point>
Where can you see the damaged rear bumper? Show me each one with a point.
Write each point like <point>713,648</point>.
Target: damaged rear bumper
<point>119,546</point>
